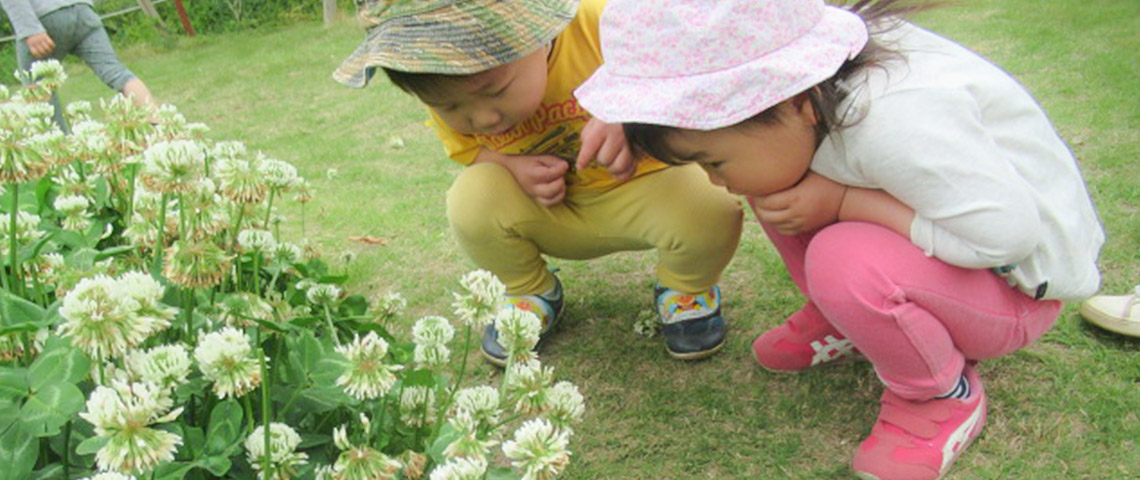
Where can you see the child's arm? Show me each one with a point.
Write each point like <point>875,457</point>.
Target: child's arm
<point>28,28</point>
<point>540,176</point>
<point>604,144</point>
<point>817,201</point>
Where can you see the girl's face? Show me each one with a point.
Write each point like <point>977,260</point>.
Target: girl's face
<point>494,101</point>
<point>754,158</point>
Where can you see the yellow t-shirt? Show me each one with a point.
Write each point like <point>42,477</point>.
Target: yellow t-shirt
<point>556,125</point>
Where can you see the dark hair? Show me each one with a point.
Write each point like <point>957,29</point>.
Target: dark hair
<point>879,15</point>
<point>418,84</point>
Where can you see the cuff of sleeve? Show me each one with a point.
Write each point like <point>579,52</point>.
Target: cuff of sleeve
<point>922,234</point>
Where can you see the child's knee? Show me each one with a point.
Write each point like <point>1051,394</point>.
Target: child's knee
<point>477,194</point>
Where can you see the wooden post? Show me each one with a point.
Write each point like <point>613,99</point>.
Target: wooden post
<point>148,9</point>
<point>184,18</point>
<point>330,11</point>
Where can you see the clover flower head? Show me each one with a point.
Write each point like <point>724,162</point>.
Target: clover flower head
<point>526,385</point>
<point>460,468</point>
<point>304,192</point>
<point>19,161</point>
<point>469,444</point>
<point>417,406</point>
<point>367,375</point>
<point>287,253</point>
<point>414,463</point>
<point>518,331</point>
<point>539,449</point>
<point>228,149</point>
<point>431,355</point>
<point>78,112</point>
<point>27,231</point>
<point>165,365</point>
<point>482,402</point>
<point>324,294</point>
<point>71,204</point>
<point>148,292</point>
<point>51,145</point>
<point>242,309</point>
<point>257,241</point>
<point>432,330</point>
<point>102,320</point>
<point>49,73</point>
<point>124,413</point>
<point>173,166</point>
<point>280,175</point>
<point>110,476</point>
<point>565,404</point>
<point>241,180</point>
<point>283,441</point>
<point>196,263</point>
<point>224,358</point>
<point>365,463</point>
<point>483,294</point>
<point>388,305</point>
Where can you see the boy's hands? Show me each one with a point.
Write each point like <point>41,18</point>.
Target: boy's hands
<point>40,44</point>
<point>604,143</point>
<point>809,205</point>
<point>540,176</point>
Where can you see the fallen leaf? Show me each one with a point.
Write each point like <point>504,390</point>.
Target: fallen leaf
<point>369,239</point>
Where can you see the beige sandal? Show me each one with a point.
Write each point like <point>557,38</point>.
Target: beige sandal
<point>1118,313</point>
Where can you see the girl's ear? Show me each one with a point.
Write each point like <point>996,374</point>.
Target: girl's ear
<point>804,108</point>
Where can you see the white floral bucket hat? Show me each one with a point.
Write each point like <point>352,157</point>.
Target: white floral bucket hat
<point>701,64</point>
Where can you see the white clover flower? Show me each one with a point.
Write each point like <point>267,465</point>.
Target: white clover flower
<point>165,365</point>
<point>323,294</point>
<point>49,73</point>
<point>389,305</point>
<point>332,173</point>
<point>482,298</point>
<point>539,449</point>
<point>417,406</point>
<point>78,111</point>
<point>91,140</point>
<point>482,402</point>
<point>147,292</point>
<point>241,180</point>
<point>110,476</point>
<point>228,149</point>
<point>365,463</point>
<point>224,358</point>
<point>526,385</point>
<point>460,469</point>
<point>518,331</point>
<point>283,440</point>
<point>431,355</point>
<point>243,309</point>
<point>101,319</point>
<point>432,330</point>
<point>27,231</point>
<point>414,463</point>
<point>279,175</point>
<point>468,444</point>
<point>173,167</point>
<point>367,376</point>
<point>124,413</point>
<point>287,252</point>
<point>565,404</point>
<point>257,240</point>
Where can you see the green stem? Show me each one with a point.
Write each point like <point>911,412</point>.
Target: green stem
<point>458,382</point>
<point>266,415</point>
<point>269,208</point>
<point>332,328</point>
<point>133,169</point>
<point>161,227</point>
<point>248,413</point>
<point>12,240</point>
<point>67,450</point>
<point>237,226</point>
<point>257,273</point>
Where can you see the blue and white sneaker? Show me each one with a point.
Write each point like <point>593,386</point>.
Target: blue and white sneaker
<point>691,323</point>
<point>548,307</point>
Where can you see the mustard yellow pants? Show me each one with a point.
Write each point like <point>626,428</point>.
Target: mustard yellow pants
<point>694,225</point>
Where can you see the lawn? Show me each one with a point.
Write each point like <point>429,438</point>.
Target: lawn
<point>1067,407</point>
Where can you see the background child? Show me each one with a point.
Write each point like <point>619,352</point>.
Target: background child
<point>918,195</point>
<point>541,176</point>
<point>58,28</point>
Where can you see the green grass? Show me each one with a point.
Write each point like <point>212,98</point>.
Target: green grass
<point>1066,407</point>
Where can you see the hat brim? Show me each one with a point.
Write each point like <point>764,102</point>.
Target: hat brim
<point>460,38</point>
<point>726,97</point>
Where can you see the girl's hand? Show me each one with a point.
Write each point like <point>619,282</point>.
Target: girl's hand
<point>604,143</point>
<point>540,176</point>
<point>810,205</point>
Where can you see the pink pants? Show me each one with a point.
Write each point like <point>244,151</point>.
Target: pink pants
<point>916,318</point>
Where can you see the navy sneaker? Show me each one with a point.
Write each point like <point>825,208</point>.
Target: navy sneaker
<point>691,323</point>
<point>547,307</point>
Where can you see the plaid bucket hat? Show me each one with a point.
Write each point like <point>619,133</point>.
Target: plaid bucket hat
<point>703,65</point>
<point>455,37</point>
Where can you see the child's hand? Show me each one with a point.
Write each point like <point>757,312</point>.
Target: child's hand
<point>604,143</point>
<point>811,204</point>
<point>540,176</point>
<point>40,44</point>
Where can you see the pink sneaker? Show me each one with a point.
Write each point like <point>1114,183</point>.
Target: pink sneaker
<point>920,440</point>
<point>802,342</point>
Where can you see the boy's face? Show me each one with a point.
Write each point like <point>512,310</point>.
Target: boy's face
<point>494,101</point>
<point>753,159</point>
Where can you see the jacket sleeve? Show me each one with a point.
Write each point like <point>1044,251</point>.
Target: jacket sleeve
<point>932,151</point>
<point>23,18</point>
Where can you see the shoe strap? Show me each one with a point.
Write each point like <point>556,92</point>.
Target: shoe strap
<point>534,304</point>
<point>916,418</point>
<point>674,306</point>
